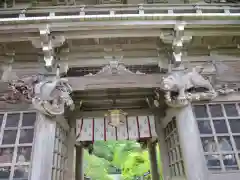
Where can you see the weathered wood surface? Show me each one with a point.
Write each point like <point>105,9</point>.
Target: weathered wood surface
<point>15,107</point>
<point>115,29</point>
<point>115,81</point>
<point>126,11</point>
<point>135,80</point>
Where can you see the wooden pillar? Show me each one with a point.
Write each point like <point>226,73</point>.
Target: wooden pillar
<point>163,147</point>
<point>193,156</point>
<point>42,162</point>
<point>153,161</point>
<point>79,171</point>
<point>70,174</point>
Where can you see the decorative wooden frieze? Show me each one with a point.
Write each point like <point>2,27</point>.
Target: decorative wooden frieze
<point>115,67</point>
<point>20,90</point>
<point>49,95</point>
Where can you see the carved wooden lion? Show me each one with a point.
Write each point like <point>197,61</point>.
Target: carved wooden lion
<point>182,81</point>
<point>52,96</point>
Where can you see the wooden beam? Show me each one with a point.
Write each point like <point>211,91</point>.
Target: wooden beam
<point>110,98</point>
<point>147,28</point>
<point>106,107</point>
<point>140,57</point>
<point>82,34</point>
<point>109,101</point>
<point>146,32</point>
<point>88,62</point>
<point>28,34</point>
<point>100,113</point>
<point>29,68</point>
<point>118,7</point>
<point>92,54</point>
<point>129,45</point>
<point>117,81</point>
<point>85,62</point>
<point>129,92</point>
<point>121,15</point>
<point>127,53</point>
<point>5,107</point>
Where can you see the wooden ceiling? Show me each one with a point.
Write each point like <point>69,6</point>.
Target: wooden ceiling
<point>127,98</point>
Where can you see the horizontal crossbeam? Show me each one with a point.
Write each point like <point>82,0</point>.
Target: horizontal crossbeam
<point>118,11</point>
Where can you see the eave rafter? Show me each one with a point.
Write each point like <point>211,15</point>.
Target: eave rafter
<point>30,32</point>
<point>116,21</point>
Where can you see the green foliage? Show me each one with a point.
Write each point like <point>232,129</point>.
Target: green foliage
<point>104,150</point>
<point>125,155</point>
<point>96,167</point>
<point>136,165</point>
<point>122,150</point>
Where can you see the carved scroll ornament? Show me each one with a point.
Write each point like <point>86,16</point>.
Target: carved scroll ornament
<point>182,87</point>
<point>47,96</point>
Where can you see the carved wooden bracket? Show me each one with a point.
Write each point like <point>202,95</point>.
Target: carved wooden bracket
<point>177,40</point>
<point>177,43</point>
<point>47,47</point>
<point>47,43</point>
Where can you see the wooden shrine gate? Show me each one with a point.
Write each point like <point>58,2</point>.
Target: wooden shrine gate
<point>115,87</point>
<point>106,90</point>
<point>149,95</point>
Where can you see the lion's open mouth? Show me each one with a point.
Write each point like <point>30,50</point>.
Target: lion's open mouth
<point>166,87</point>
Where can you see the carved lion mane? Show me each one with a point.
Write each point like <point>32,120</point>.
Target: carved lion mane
<point>182,81</point>
<point>51,96</point>
<point>48,95</point>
